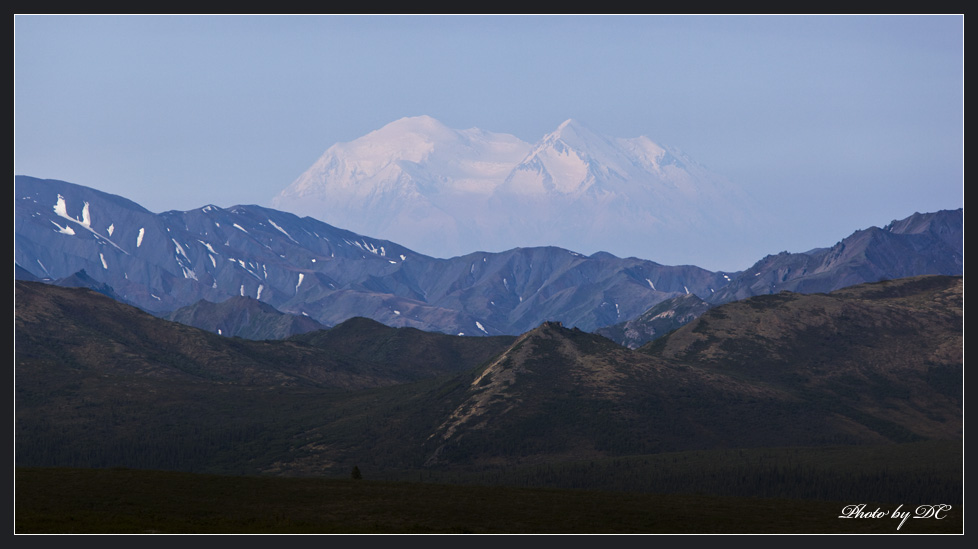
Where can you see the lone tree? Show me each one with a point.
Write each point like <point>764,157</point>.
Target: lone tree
<point>355,473</point>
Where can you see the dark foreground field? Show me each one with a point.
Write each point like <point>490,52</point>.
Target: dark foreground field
<point>54,500</point>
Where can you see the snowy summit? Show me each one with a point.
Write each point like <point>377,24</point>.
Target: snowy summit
<point>448,192</point>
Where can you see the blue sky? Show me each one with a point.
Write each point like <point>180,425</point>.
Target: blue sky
<point>836,123</point>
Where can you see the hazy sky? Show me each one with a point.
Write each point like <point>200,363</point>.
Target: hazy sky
<point>837,123</point>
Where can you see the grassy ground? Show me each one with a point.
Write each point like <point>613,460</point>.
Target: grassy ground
<point>133,501</point>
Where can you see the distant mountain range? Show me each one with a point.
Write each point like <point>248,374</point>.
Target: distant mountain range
<point>930,243</point>
<point>301,266</point>
<point>448,192</point>
<point>920,244</point>
<point>161,262</point>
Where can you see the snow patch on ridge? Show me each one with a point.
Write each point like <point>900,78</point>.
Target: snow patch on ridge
<point>64,230</point>
<point>184,261</point>
<point>86,217</point>
<point>280,229</point>
<point>61,208</point>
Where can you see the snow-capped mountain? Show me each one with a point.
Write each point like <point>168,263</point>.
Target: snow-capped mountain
<point>447,192</point>
<point>161,262</point>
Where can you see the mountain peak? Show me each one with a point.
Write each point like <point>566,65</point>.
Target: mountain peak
<point>411,127</point>
<point>417,122</point>
<point>573,132</point>
<point>473,189</point>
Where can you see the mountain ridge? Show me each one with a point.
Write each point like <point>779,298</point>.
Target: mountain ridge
<point>161,262</point>
<point>242,316</point>
<point>301,266</point>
